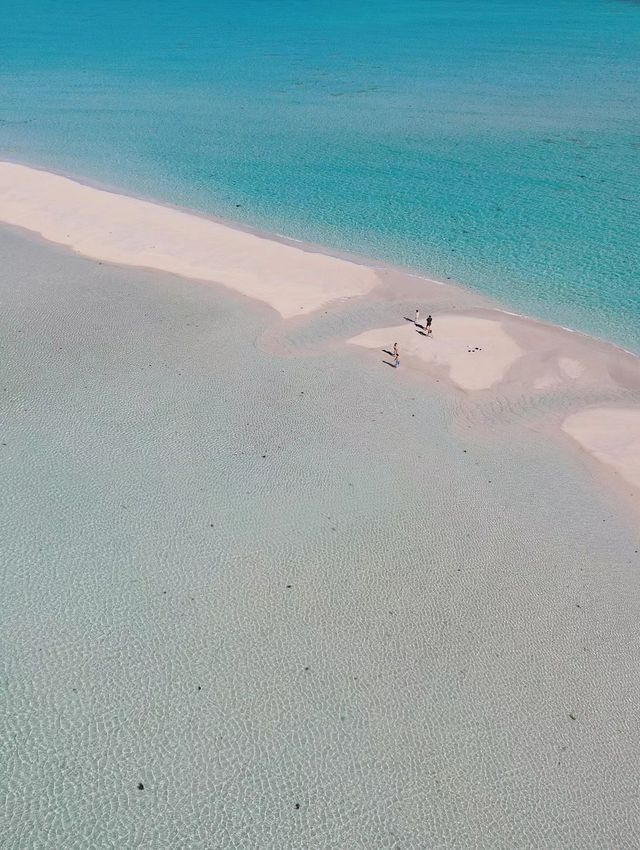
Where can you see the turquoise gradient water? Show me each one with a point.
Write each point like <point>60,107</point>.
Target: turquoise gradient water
<point>493,142</point>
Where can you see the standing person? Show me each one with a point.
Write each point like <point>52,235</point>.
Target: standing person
<point>427,325</point>
<point>415,321</point>
<point>396,355</point>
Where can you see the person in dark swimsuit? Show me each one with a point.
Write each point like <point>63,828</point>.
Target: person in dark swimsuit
<point>427,326</point>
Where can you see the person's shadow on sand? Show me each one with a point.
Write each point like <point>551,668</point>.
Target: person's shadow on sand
<point>388,363</point>
<point>386,351</point>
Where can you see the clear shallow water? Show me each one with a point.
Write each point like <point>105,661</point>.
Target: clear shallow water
<point>493,142</point>
<point>253,582</point>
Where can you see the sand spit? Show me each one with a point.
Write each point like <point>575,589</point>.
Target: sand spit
<point>610,435</point>
<point>128,231</point>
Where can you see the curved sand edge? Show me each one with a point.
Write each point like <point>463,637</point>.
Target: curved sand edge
<point>610,435</point>
<point>128,231</point>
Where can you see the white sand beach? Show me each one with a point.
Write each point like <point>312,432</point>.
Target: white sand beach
<point>119,229</point>
<point>475,353</point>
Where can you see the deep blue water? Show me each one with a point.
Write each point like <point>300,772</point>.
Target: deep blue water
<point>494,142</point>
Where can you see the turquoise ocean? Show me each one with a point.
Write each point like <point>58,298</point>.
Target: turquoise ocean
<point>496,143</point>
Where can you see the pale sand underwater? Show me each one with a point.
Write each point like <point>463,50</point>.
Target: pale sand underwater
<point>304,599</point>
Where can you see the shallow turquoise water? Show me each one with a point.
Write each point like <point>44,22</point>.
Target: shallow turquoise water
<point>493,142</point>
<point>296,597</point>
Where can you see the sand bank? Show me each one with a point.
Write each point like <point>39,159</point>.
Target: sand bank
<point>610,435</point>
<point>475,352</point>
<point>129,231</point>
<point>474,346</point>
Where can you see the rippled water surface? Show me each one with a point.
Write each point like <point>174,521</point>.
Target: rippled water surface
<point>494,142</point>
<point>298,599</point>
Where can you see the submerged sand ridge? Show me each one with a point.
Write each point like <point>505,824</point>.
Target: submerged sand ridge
<point>612,436</point>
<point>129,231</point>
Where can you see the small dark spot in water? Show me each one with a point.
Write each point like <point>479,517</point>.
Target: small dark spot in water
<point>140,786</point>
<point>297,805</point>
<point>289,585</point>
<point>572,716</point>
<point>199,687</point>
<point>263,456</point>
<point>306,669</point>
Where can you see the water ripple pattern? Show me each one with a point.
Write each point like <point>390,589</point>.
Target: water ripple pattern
<point>262,600</point>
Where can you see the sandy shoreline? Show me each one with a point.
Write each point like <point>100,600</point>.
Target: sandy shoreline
<point>474,348</point>
<point>124,230</point>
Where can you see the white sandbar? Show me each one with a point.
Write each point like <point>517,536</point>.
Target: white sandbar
<point>477,352</point>
<point>129,231</point>
<point>612,436</point>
